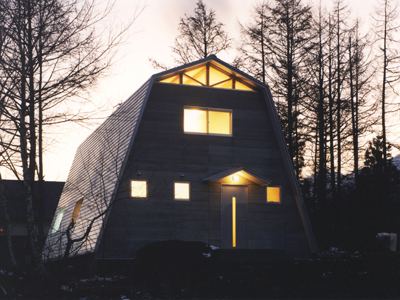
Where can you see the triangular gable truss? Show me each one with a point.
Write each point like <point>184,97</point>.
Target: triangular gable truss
<point>134,107</point>
<point>209,74</point>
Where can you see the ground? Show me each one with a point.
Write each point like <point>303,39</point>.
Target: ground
<point>331,275</point>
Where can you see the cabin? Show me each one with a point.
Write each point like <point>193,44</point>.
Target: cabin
<point>14,195</point>
<point>195,154</point>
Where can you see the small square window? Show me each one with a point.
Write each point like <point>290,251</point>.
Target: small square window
<point>273,194</point>
<point>139,189</point>
<point>182,191</point>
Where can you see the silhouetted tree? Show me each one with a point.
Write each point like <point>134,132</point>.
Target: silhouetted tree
<point>274,47</point>
<point>200,36</point>
<point>377,208</point>
<point>385,28</point>
<point>51,52</point>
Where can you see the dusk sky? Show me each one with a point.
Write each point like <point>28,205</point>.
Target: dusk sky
<point>151,35</point>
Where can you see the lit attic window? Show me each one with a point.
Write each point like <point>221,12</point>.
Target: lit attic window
<point>208,75</point>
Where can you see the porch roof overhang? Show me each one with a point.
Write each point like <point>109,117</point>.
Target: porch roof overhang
<point>241,171</point>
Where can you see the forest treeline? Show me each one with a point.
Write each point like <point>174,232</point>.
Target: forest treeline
<point>334,81</point>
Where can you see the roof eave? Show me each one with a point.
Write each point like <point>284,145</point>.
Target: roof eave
<point>215,59</point>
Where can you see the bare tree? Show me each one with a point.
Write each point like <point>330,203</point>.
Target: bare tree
<point>200,36</point>
<point>253,48</point>
<point>54,51</point>
<point>278,42</point>
<point>385,29</point>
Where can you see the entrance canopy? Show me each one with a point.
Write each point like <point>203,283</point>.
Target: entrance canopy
<point>238,176</point>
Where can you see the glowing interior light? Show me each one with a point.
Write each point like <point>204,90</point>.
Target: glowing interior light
<point>139,189</point>
<point>220,122</point>
<point>195,120</point>
<point>233,221</point>
<point>182,191</point>
<point>235,177</point>
<point>241,86</point>
<point>172,79</point>
<point>199,74</point>
<point>217,76</point>
<point>273,194</point>
<point>76,211</point>
<point>211,76</point>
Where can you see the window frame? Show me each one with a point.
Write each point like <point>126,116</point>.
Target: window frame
<point>182,199</point>
<point>208,109</point>
<point>130,189</point>
<point>280,194</point>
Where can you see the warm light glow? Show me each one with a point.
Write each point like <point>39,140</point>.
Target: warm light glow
<point>241,86</point>
<point>200,74</point>
<point>235,177</point>
<point>189,81</point>
<point>234,221</point>
<point>195,120</point>
<point>217,76</point>
<point>139,189</point>
<point>182,191</point>
<point>224,85</point>
<point>57,223</point>
<point>220,122</point>
<point>273,194</point>
<point>76,211</point>
<point>172,79</point>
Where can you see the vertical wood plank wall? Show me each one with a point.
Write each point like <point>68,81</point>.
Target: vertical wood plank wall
<point>162,153</point>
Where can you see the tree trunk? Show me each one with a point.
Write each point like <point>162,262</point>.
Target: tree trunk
<point>384,89</point>
<point>321,121</point>
<point>30,217</point>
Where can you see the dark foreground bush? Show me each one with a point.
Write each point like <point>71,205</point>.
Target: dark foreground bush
<point>176,270</point>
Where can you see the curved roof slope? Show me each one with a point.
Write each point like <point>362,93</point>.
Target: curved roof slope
<point>94,176</point>
<point>100,160</point>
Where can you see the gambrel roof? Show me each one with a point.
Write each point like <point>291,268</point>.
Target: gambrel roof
<point>100,160</point>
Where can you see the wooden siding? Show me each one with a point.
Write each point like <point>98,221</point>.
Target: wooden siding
<point>94,175</point>
<point>162,152</point>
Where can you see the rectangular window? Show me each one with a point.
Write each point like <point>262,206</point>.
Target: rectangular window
<point>182,191</point>
<point>57,223</point>
<point>76,211</point>
<point>139,189</point>
<point>273,194</point>
<point>207,121</point>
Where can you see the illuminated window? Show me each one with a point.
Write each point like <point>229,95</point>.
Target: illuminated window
<point>138,189</point>
<point>195,120</point>
<point>209,75</point>
<point>57,223</point>
<point>273,194</point>
<point>207,121</point>
<point>76,211</point>
<point>182,191</point>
